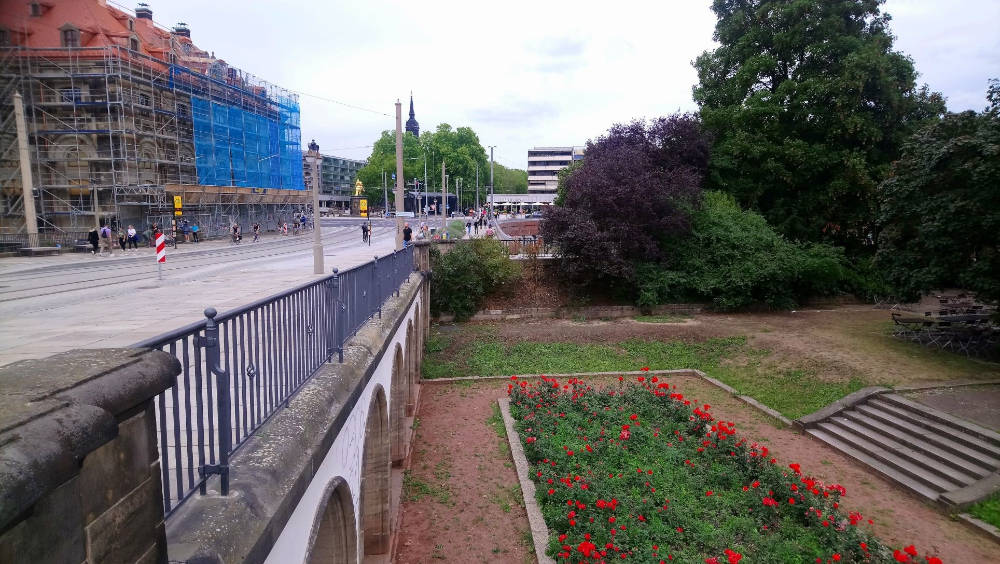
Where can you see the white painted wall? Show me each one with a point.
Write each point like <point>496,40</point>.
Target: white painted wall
<point>343,459</point>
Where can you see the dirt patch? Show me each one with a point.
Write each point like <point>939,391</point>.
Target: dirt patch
<point>453,427</point>
<point>521,228</point>
<point>461,498</point>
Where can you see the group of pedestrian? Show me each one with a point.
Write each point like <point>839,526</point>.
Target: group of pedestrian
<point>366,232</point>
<point>102,240</point>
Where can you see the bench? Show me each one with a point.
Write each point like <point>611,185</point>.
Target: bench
<point>38,251</point>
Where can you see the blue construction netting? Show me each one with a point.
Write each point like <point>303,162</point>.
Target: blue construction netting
<point>239,147</point>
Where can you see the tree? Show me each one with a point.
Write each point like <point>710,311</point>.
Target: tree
<point>508,180</point>
<point>941,206</point>
<point>637,185</point>
<point>383,160</point>
<point>461,152</point>
<point>809,105</point>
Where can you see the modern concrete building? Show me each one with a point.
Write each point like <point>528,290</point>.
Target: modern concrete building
<point>544,164</point>
<point>336,179</point>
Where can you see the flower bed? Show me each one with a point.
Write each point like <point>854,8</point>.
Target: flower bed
<point>638,472</point>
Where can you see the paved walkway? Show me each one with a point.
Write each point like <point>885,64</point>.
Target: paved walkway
<point>53,304</point>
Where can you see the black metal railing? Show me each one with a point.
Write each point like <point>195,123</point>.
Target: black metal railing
<point>527,246</point>
<point>241,367</point>
<point>15,241</point>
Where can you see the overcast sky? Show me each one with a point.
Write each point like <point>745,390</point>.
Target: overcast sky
<point>525,74</point>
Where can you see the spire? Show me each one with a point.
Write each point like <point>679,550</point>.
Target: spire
<point>411,124</point>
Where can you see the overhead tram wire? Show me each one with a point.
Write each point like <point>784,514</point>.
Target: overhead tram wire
<point>128,10</point>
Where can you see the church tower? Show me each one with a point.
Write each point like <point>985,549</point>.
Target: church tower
<point>411,124</point>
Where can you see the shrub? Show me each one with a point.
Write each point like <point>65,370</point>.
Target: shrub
<point>472,269</point>
<point>733,258</point>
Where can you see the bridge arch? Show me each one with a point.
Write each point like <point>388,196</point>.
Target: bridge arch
<point>334,537</point>
<point>397,406</point>
<point>375,477</point>
<point>411,388</point>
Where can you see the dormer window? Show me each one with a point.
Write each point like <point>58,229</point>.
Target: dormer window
<point>131,24</point>
<point>70,36</point>
<point>133,43</point>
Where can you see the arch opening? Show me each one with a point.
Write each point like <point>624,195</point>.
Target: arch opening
<point>375,477</point>
<point>335,534</point>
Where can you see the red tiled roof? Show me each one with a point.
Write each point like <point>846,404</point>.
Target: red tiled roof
<point>100,25</point>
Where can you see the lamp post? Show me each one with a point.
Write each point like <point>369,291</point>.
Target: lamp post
<point>313,158</point>
<point>492,192</point>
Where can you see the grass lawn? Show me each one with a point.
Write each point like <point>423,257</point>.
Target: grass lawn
<point>988,510</point>
<point>638,473</point>
<point>794,364</point>
<point>486,356</point>
<point>675,318</point>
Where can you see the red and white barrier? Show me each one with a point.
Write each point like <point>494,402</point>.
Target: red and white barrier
<point>161,254</point>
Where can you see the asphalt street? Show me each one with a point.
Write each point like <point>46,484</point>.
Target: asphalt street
<point>76,300</point>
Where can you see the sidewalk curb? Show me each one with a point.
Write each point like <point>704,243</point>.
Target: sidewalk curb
<point>539,530</point>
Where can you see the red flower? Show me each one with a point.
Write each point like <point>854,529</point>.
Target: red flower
<point>633,417</point>
<point>836,557</point>
<point>933,560</point>
<point>587,548</point>
<point>645,369</point>
<point>770,502</point>
<point>910,550</point>
<point>709,492</point>
<point>900,556</point>
<point>791,501</point>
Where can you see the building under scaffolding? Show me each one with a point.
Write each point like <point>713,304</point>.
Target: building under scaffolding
<point>115,133</point>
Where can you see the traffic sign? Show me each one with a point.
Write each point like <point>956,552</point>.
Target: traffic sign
<point>177,202</point>
<point>178,212</point>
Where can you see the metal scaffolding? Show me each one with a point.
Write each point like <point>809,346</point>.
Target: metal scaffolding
<point>114,134</point>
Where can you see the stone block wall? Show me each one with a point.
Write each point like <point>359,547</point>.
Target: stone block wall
<point>79,469</point>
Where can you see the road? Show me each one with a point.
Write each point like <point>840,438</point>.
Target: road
<point>53,304</point>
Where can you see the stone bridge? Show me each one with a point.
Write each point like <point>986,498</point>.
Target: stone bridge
<point>82,472</point>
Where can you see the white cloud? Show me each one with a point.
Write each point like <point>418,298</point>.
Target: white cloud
<point>526,73</point>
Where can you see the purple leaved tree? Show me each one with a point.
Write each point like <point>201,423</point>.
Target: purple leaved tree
<point>637,186</point>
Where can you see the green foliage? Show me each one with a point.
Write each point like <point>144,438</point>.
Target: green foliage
<point>506,180</point>
<point>458,148</point>
<point>988,510</point>
<point>809,105</point>
<point>941,207</point>
<point>564,175</point>
<point>643,469</point>
<point>734,259</point>
<point>464,275</point>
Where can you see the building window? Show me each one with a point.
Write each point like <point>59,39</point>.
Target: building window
<point>133,44</point>
<point>70,38</point>
<point>36,9</point>
<point>143,99</point>
<point>131,24</point>
<point>4,38</point>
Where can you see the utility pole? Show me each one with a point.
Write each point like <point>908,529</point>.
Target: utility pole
<point>444,199</point>
<point>398,195</point>
<point>27,186</point>
<point>477,187</point>
<point>425,184</point>
<point>492,191</point>
<point>315,159</point>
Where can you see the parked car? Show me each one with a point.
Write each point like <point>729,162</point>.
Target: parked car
<point>534,215</point>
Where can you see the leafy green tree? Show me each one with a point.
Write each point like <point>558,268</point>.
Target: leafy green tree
<point>383,160</point>
<point>508,180</point>
<point>941,206</point>
<point>466,274</point>
<point>461,152</point>
<point>809,105</point>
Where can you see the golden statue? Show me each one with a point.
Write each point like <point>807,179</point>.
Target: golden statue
<point>358,188</point>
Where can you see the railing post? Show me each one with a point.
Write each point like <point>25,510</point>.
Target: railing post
<point>336,307</point>
<point>222,391</point>
<point>395,270</point>
<point>377,286</point>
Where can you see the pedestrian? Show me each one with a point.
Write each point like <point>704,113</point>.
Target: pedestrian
<point>407,235</point>
<point>121,239</point>
<point>468,226</point>
<point>303,220</point>
<point>236,233</point>
<point>256,232</point>
<point>364,232</point>
<point>94,239</point>
<point>194,232</point>
<point>106,241</point>
<point>133,237</point>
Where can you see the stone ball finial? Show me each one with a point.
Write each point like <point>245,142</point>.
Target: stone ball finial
<point>210,312</point>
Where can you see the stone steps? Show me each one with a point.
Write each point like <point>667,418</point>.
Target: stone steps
<point>926,450</point>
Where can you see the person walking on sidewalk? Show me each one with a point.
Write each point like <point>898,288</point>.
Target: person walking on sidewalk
<point>407,235</point>
<point>121,239</point>
<point>94,239</point>
<point>133,237</point>
<point>106,241</point>
<point>256,232</point>
<point>194,232</point>
<point>364,232</point>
